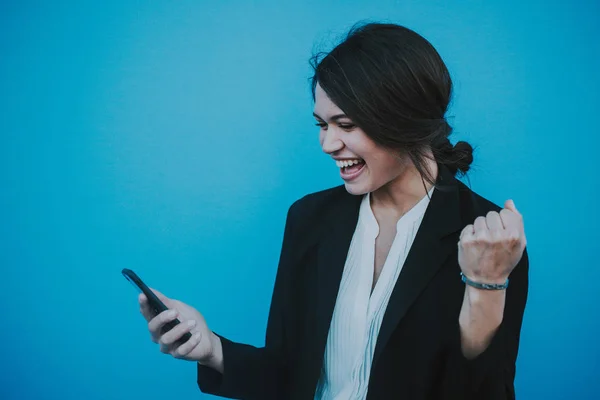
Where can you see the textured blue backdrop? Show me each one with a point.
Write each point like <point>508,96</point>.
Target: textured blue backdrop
<point>170,137</point>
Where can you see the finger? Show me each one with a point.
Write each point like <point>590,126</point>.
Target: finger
<point>165,349</point>
<point>467,231</point>
<point>176,333</point>
<point>466,235</point>
<point>514,237</point>
<point>513,228</point>
<point>511,220</point>
<point>493,221</point>
<point>155,325</point>
<point>190,345</point>
<point>510,205</point>
<point>145,307</point>
<point>480,225</point>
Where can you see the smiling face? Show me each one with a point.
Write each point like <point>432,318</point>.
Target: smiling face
<point>364,165</point>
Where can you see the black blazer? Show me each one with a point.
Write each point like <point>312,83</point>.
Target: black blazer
<point>418,351</point>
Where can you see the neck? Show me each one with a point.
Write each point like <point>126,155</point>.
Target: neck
<point>404,192</point>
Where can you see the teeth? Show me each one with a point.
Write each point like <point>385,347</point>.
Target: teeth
<point>346,163</point>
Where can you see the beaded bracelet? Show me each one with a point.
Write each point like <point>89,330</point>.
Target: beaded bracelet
<point>484,286</point>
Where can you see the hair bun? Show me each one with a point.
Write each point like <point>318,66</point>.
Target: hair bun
<point>460,157</point>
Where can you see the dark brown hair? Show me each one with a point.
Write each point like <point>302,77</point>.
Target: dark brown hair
<point>394,85</point>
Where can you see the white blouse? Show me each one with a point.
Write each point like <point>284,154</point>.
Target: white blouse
<point>358,313</point>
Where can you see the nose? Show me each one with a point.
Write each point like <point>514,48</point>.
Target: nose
<point>330,141</point>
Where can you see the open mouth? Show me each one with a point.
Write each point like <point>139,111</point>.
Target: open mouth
<point>350,169</point>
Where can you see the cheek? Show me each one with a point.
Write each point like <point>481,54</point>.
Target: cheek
<point>385,164</point>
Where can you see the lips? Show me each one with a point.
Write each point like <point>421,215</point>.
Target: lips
<point>351,169</point>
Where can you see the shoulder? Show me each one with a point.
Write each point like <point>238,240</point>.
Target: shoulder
<point>306,216</point>
<point>312,212</point>
<point>473,204</point>
<point>318,204</point>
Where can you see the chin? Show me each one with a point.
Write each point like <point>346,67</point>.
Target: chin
<point>356,189</point>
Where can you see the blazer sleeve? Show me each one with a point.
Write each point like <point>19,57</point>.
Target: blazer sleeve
<point>252,372</point>
<point>491,374</point>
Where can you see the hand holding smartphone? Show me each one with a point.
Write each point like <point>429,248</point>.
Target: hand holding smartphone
<point>156,305</point>
<point>174,336</point>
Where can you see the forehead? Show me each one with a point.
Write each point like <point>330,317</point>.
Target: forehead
<point>324,107</point>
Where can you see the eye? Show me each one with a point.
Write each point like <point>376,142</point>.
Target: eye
<point>321,125</point>
<point>347,127</point>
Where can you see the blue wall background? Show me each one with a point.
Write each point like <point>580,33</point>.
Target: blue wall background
<point>170,137</point>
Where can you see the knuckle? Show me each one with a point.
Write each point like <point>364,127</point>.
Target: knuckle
<point>466,233</point>
<point>509,239</point>
<point>155,329</point>
<point>497,233</point>
<point>181,328</point>
<point>482,238</point>
<point>155,320</point>
<point>183,350</point>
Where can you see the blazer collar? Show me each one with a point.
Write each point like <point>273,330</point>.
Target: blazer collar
<point>425,257</point>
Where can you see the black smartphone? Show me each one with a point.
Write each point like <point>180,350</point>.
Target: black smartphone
<point>155,303</point>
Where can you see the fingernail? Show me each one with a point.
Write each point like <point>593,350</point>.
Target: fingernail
<point>191,322</point>
<point>172,314</point>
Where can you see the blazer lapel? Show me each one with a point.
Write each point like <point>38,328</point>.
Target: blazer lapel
<point>339,226</point>
<point>424,259</point>
<point>426,255</point>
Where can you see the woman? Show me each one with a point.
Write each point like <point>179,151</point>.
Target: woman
<point>395,284</point>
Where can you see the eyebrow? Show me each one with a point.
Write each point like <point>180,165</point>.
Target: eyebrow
<point>333,118</point>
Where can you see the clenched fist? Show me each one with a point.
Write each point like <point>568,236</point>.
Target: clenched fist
<point>489,249</point>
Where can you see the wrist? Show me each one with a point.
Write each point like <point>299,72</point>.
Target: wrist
<point>484,283</point>
<point>481,297</point>
<point>214,359</point>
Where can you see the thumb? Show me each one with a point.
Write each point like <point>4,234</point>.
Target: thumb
<point>510,205</point>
